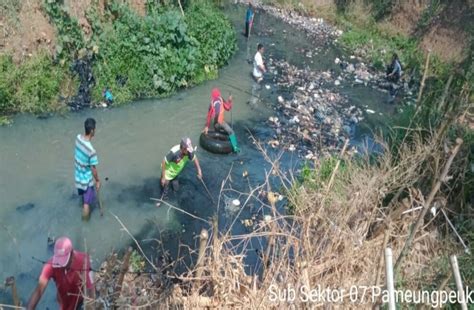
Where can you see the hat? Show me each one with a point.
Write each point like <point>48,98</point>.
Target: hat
<point>62,252</point>
<point>186,143</point>
<point>215,93</point>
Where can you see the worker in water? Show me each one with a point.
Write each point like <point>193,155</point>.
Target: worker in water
<point>249,19</point>
<point>258,66</point>
<point>71,271</point>
<point>85,167</point>
<point>394,70</point>
<point>216,114</point>
<point>173,164</point>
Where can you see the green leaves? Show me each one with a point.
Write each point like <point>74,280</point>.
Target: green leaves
<point>161,52</point>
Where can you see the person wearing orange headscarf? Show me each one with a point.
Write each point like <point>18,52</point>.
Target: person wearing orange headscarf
<point>216,114</point>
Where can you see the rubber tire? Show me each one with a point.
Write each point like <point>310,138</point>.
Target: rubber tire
<point>215,142</point>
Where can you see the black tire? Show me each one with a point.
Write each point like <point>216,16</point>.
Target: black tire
<point>215,142</point>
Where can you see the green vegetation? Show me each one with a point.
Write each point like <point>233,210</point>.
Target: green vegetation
<point>137,262</point>
<point>31,87</point>
<point>135,56</point>
<point>157,54</point>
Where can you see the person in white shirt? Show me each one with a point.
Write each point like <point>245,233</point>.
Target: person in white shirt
<point>258,66</point>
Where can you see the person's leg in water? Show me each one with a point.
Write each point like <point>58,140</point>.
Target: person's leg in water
<point>88,198</point>
<point>166,188</point>
<point>224,127</point>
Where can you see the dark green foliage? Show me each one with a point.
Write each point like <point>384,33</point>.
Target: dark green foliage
<point>154,54</point>
<point>213,32</point>
<point>157,54</point>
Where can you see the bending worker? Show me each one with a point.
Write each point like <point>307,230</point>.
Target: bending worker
<point>173,164</point>
<point>71,271</point>
<point>216,113</point>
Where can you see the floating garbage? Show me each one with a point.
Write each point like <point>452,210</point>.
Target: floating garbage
<point>236,202</point>
<point>267,86</point>
<point>370,111</point>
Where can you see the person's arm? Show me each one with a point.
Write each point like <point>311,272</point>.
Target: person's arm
<point>94,161</point>
<point>198,167</point>
<point>36,296</point>
<point>42,284</point>
<point>228,103</point>
<point>163,172</point>
<point>261,66</point>
<point>210,113</point>
<point>96,177</point>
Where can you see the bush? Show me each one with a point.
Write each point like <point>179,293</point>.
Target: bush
<point>30,87</point>
<point>155,55</point>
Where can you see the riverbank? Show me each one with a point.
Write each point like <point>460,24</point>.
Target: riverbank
<point>114,47</point>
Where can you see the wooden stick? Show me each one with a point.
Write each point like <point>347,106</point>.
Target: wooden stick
<point>10,281</point>
<point>207,190</point>
<point>389,282</point>
<point>457,276</point>
<point>181,7</point>
<point>101,206</point>
<point>123,271</point>
<point>427,205</point>
<point>203,238</point>
<point>420,93</point>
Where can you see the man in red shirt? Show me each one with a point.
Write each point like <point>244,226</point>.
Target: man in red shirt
<point>67,268</point>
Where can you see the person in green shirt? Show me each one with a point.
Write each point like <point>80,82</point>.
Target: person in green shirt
<point>173,164</point>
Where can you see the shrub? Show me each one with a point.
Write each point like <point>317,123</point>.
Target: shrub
<point>30,87</point>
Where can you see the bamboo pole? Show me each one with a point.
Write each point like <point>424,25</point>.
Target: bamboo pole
<point>427,204</point>
<point>457,277</point>
<point>389,282</point>
<point>10,281</point>
<point>420,93</point>
<point>203,238</point>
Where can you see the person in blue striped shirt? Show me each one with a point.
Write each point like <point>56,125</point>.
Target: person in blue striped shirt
<point>85,163</point>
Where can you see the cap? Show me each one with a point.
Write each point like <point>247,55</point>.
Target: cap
<point>215,93</point>
<point>62,252</point>
<point>186,143</point>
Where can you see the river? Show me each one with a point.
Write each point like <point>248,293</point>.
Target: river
<point>37,192</point>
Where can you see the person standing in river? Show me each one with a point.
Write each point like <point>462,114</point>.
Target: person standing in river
<point>215,114</point>
<point>258,66</point>
<point>173,163</point>
<point>85,164</point>
<point>249,20</point>
<point>67,268</point>
<point>394,72</point>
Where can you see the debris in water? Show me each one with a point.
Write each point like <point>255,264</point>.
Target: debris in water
<point>370,111</point>
<point>26,207</point>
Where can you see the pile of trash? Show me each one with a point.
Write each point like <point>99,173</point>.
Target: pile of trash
<point>83,69</point>
<point>314,27</point>
<point>311,118</point>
